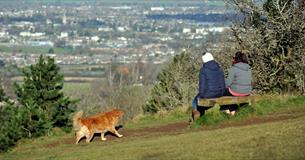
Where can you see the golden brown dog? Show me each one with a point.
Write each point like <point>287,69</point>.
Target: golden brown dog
<point>99,123</point>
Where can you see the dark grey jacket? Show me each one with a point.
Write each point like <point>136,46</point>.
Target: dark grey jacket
<point>240,78</point>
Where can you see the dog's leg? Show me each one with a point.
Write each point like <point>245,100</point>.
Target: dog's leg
<point>113,130</point>
<point>103,136</point>
<point>78,136</point>
<point>89,137</point>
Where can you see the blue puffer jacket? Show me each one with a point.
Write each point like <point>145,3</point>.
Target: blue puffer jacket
<point>211,80</point>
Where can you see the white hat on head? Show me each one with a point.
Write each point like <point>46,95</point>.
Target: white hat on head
<point>207,57</point>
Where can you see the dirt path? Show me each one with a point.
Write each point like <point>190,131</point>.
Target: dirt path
<point>182,127</point>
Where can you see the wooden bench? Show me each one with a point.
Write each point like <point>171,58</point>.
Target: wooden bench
<point>226,100</point>
<point>215,103</point>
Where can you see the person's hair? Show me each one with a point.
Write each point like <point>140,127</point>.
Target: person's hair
<point>240,57</point>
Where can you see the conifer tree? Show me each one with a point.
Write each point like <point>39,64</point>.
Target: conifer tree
<point>42,93</point>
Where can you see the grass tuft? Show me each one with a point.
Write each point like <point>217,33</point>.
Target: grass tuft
<point>162,117</point>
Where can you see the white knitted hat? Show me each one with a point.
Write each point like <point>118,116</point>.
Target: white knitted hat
<point>207,57</point>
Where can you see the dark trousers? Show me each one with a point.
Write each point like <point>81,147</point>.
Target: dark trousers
<point>227,92</point>
<point>231,107</point>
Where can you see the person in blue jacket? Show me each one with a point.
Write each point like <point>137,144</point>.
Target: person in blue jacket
<point>211,83</point>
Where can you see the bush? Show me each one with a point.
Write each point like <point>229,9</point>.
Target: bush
<point>10,127</point>
<point>273,34</point>
<point>16,123</point>
<point>130,99</point>
<point>176,84</point>
<point>103,97</point>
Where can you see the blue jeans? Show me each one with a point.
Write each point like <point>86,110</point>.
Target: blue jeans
<point>201,109</point>
<point>195,102</point>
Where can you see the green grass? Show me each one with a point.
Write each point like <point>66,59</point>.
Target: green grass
<point>276,140</point>
<point>265,106</point>
<point>161,118</point>
<point>214,117</point>
<point>280,139</point>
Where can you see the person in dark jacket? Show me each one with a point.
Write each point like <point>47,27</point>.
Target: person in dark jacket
<point>239,81</point>
<point>211,83</point>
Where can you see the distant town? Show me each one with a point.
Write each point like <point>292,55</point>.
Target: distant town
<point>95,33</point>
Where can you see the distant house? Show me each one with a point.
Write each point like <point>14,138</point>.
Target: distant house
<point>48,21</point>
<point>3,34</point>
<point>41,43</point>
<point>121,29</point>
<point>201,31</point>
<point>157,8</point>
<point>64,34</point>
<point>25,34</point>
<point>217,29</point>
<point>122,38</point>
<point>105,29</point>
<point>29,34</point>
<point>23,24</point>
<point>186,30</point>
<point>38,34</point>
<point>95,38</point>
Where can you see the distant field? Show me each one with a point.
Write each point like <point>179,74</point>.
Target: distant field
<point>33,49</point>
<point>71,87</point>
<point>68,79</point>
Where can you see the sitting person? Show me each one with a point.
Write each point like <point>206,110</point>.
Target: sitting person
<point>211,83</point>
<point>239,80</point>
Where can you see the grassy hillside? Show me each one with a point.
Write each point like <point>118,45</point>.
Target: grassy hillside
<point>275,140</point>
<point>273,134</point>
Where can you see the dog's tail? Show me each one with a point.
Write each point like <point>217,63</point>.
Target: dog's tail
<point>77,120</point>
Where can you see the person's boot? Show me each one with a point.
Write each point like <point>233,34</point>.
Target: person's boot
<point>195,114</point>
